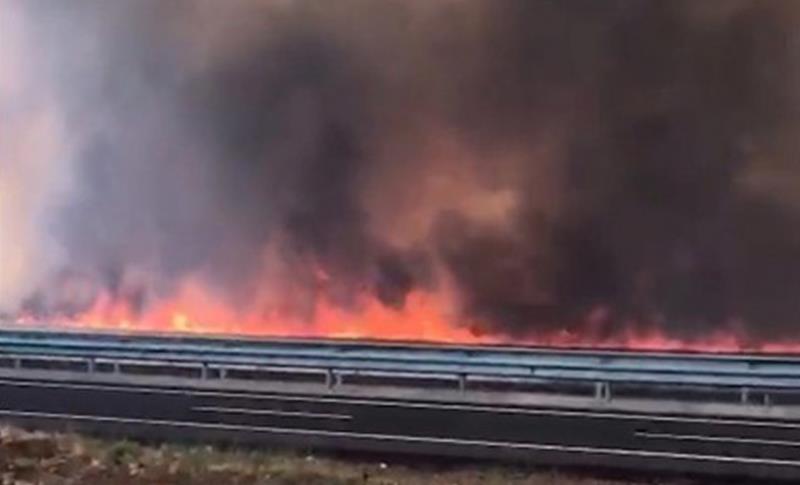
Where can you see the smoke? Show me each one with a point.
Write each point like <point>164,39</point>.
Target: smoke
<point>34,176</point>
<point>625,162</point>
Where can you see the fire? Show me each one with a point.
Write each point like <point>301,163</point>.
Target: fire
<point>427,316</point>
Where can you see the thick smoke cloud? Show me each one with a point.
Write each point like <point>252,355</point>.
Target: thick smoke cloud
<point>621,162</point>
<point>34,175</point>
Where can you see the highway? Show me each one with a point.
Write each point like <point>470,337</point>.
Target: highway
<point>668,426</point>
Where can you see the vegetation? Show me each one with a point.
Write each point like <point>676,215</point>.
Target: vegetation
<point>28,458</point>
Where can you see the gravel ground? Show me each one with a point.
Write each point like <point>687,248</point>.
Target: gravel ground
<point>43,458</point>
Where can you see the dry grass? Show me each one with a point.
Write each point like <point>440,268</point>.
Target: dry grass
<point>39,458</point>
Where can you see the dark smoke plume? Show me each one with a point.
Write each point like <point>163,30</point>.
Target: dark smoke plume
<point>555,160</point>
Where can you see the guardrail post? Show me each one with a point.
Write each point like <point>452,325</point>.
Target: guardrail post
<point>330,379</point>
<point>462,382</point>
<point>17,363</point>
<point>204,371</point>
<point>602,391</point>
<point>767,400</point>
<point>223,373</point>
<point>90,365</point>
<point>745,395</point>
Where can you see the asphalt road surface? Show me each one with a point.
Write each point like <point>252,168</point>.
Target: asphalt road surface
<point>752,446</point>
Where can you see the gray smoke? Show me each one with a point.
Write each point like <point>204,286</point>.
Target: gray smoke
<point>553,159</point>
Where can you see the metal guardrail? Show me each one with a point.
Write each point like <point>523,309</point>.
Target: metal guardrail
<point>215,358</point>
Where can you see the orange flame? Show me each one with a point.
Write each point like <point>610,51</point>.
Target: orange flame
<point>426,316</point>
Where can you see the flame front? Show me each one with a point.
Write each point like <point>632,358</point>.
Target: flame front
<point>424,317</point>
<point>427,316</point>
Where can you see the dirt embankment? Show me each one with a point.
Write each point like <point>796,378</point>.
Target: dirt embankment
<point>42,458</point>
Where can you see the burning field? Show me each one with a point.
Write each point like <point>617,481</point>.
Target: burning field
<point>572,173</point>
